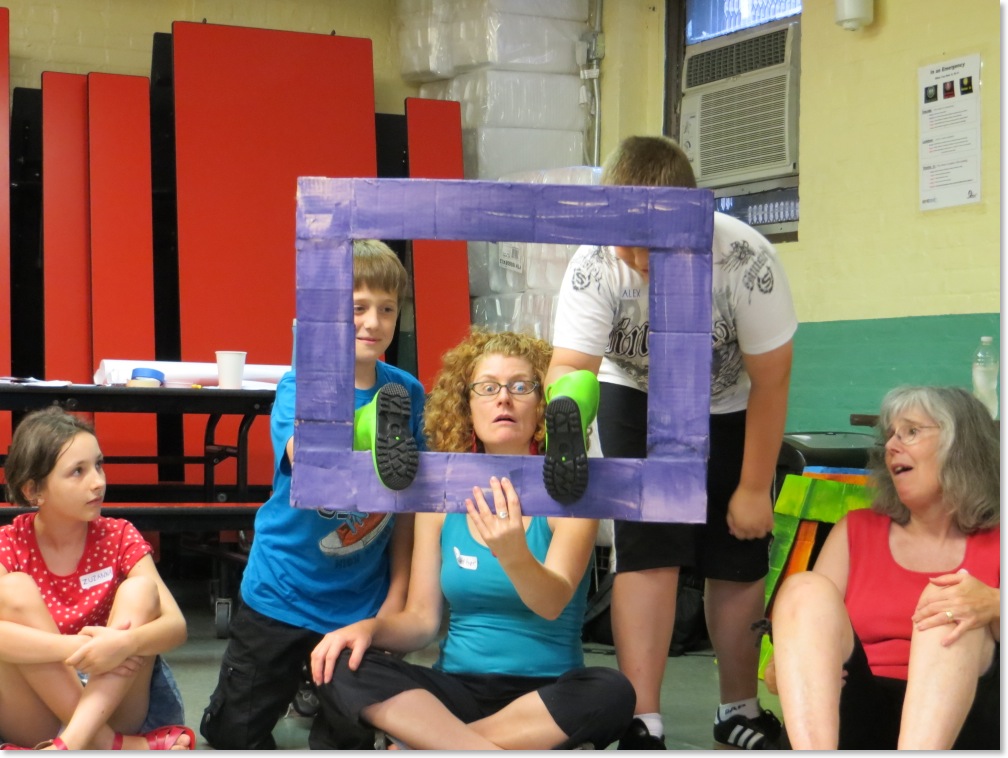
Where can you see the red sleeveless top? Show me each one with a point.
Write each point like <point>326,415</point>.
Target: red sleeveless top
<point>882,595</point>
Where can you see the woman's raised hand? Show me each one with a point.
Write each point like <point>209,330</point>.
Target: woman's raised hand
<point>500,526</point>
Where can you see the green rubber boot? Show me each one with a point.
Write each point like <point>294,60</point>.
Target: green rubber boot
<point>383,427</point>
<point>571,404</point>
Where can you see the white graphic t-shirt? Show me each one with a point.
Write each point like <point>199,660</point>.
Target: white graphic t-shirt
<point>602,310</point>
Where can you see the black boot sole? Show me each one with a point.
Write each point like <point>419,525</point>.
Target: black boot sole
<point>565,470</point>
<point>395,454</point>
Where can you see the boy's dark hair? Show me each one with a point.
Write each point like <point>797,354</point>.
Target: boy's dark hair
<point>377,267</point>
<point>648,162</point>
<point>36,445</point>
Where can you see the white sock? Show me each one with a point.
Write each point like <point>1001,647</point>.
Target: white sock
<point>749,708</point>
<point>653,722</point>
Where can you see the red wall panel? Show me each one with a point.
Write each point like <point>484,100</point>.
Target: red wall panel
<point>5,283</point>
<point>122,268</point>
<point>440,268</point>
<point>255,109</point>
<point>66,228</point>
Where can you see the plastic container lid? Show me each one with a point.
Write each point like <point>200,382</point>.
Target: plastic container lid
<point>148,373</point>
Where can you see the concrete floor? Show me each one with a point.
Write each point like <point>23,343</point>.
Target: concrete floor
<point>689,692</point>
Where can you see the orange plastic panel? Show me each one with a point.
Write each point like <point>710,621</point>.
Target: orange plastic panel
<point>440,267</point>
<point>802,549</point>
<point>254,110</point>
<point>837,477</point>
<point>66,228</point>
<point>122,268</point>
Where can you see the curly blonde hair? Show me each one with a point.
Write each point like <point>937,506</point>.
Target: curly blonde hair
<point>448,422</point>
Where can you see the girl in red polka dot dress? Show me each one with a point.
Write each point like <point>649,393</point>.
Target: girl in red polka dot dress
<point>83,610</point>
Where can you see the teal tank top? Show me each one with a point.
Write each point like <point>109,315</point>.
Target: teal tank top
<point>490,630</point>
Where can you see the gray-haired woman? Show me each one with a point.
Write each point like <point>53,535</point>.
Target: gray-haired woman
<point>893,639</point>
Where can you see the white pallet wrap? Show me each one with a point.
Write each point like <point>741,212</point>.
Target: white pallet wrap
<point>514,41</point>
<point>495,268</point>
<point>490,152</point>
<point>521,99</point>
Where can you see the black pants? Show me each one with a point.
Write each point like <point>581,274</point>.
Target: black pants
<point>871,708</point>
<point>594,704</point>
<point>708,547</point>
<point>259,676</point>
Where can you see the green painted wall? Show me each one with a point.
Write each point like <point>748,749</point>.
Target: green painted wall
<point>845,367</point>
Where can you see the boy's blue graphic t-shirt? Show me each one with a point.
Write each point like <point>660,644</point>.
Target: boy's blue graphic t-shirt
<point>322,569</point>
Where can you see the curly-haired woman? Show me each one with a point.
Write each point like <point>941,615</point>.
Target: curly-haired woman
<point>511,670</point>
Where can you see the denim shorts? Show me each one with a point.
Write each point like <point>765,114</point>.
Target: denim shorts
<point>165,707</point>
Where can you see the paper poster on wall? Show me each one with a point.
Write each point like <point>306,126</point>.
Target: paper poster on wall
<point>949,97</point>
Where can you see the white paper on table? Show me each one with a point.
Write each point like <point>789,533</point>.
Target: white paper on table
<point>24,380</point>
<point>185,374</point>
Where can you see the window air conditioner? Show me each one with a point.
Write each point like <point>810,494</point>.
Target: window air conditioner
<point>739,120</point>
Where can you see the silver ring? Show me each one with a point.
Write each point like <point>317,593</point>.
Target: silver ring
<point>502,514</point>
<point>950,617</point>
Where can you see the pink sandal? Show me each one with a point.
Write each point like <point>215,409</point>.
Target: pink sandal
<point>165,737</point>
<point>55,742</point>
<point>162,738</point>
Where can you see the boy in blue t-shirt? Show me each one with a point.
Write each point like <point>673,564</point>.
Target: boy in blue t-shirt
<point>310,572</point>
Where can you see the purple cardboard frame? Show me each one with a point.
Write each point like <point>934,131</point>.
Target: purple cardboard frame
<point>675,224</point>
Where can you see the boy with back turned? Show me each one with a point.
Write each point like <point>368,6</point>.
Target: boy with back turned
<point>601,315</point>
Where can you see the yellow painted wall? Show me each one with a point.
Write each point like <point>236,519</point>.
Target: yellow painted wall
<point>632,77</point>
<point>115,36</point>
<point>887,294</point>
<point>864,249</point>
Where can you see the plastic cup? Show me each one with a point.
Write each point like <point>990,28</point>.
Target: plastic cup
<point>230,369</point>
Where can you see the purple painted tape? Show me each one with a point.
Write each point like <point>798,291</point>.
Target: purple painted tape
<point>675,224</point>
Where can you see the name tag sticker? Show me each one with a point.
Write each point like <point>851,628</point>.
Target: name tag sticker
<point>96,577</point>
<point>467,562</point>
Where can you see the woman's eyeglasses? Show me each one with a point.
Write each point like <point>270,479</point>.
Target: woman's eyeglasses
<point>909,434</point>
<point>514,387</point>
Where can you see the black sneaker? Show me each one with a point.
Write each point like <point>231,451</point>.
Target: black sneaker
<point>395,451</point>
<point>565,470</point>
<point>760,733</point>
<point>637,737</point>
<point>306,701</point>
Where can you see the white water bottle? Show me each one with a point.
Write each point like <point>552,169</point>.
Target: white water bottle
<point>985,375</point>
